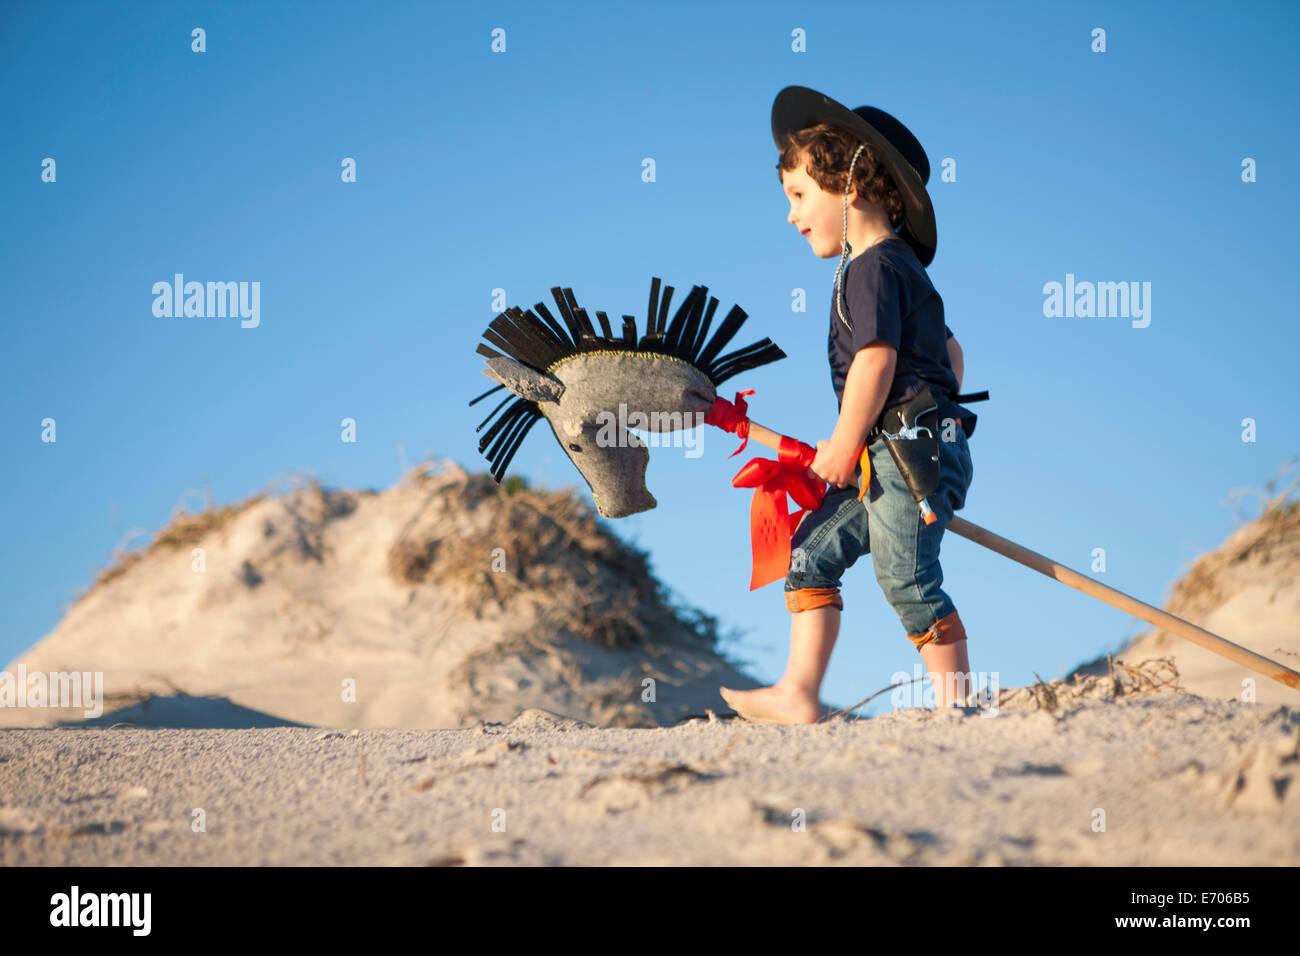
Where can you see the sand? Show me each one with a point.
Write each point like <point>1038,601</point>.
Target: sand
<point>1143,779</point>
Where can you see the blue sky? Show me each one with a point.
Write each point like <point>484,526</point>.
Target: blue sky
<point>521,170</point>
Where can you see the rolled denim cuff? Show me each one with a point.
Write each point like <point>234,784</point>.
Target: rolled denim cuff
<point>805,599</point>
<point>947,630</point>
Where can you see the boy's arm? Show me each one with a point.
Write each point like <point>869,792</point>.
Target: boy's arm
<point>865,389</point>
<point>955,359</point>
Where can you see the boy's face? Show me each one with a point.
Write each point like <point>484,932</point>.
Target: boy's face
<point>817,214</point>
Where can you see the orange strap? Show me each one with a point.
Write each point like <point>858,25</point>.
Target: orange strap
<point>864,462</point>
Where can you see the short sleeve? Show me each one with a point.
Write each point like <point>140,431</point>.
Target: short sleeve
<point>947,332</point>
<point>874,294</point>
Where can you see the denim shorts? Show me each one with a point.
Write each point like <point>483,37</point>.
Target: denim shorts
<point>888,524</point>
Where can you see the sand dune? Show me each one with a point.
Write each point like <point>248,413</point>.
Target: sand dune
<point>440,602</point>
<point>499,717</point>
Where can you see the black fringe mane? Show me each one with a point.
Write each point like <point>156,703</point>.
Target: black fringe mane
<point>540,343</point>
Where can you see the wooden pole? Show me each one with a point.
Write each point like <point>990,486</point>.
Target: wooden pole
<point>1153,615</point>
<point>1081,582</point>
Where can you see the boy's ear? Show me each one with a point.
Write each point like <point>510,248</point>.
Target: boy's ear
<point>853,194</point>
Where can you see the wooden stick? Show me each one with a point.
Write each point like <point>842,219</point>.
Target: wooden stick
<point>765,436</point>
<point>1153,615</point>
<point>1081,582</point>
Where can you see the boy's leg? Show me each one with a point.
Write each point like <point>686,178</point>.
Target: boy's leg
<point>826,542</point>
<point>906,557</point>
<point>812,638</point>
<point>794,698</point>
<point>945,662</point>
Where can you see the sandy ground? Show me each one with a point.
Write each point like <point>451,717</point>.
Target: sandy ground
<point>1162,778</point>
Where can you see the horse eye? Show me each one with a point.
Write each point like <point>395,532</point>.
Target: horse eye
<point>573,447</point>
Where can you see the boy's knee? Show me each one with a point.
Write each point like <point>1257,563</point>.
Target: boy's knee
<point>805,599</point>
<point>947,630</point>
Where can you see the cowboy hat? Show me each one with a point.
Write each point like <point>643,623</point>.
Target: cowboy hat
<point>797,107</point>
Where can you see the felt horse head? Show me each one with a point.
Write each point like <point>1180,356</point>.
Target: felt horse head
<point>590,386</point>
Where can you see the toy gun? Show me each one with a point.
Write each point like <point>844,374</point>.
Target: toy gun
<point>910,433</point>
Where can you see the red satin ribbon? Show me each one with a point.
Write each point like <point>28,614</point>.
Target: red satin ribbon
<point>770,523</point>
<point>731,418</point>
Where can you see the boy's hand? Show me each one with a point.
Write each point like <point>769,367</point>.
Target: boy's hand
<point>835,463</point>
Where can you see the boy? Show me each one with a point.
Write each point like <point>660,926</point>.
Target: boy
<point>861,175</point>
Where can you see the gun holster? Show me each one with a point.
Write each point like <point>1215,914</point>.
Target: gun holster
<point>911,433</point>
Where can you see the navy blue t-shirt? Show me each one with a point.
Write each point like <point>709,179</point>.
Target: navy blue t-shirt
<point>887,295</point>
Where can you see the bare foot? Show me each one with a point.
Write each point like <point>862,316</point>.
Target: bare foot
<point>777,704</point>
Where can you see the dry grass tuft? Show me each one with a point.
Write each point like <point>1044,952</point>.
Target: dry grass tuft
<point>188,529</point>
<point>185,528</point>
<point>1273,538</point>
<point>1056,697</point>
<point>310,507</point>
<point>499,548</point>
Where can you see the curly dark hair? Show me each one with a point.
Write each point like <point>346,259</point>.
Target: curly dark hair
<point>829,149</point>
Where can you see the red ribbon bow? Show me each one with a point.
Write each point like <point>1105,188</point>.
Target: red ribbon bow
<point>770,523</point>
